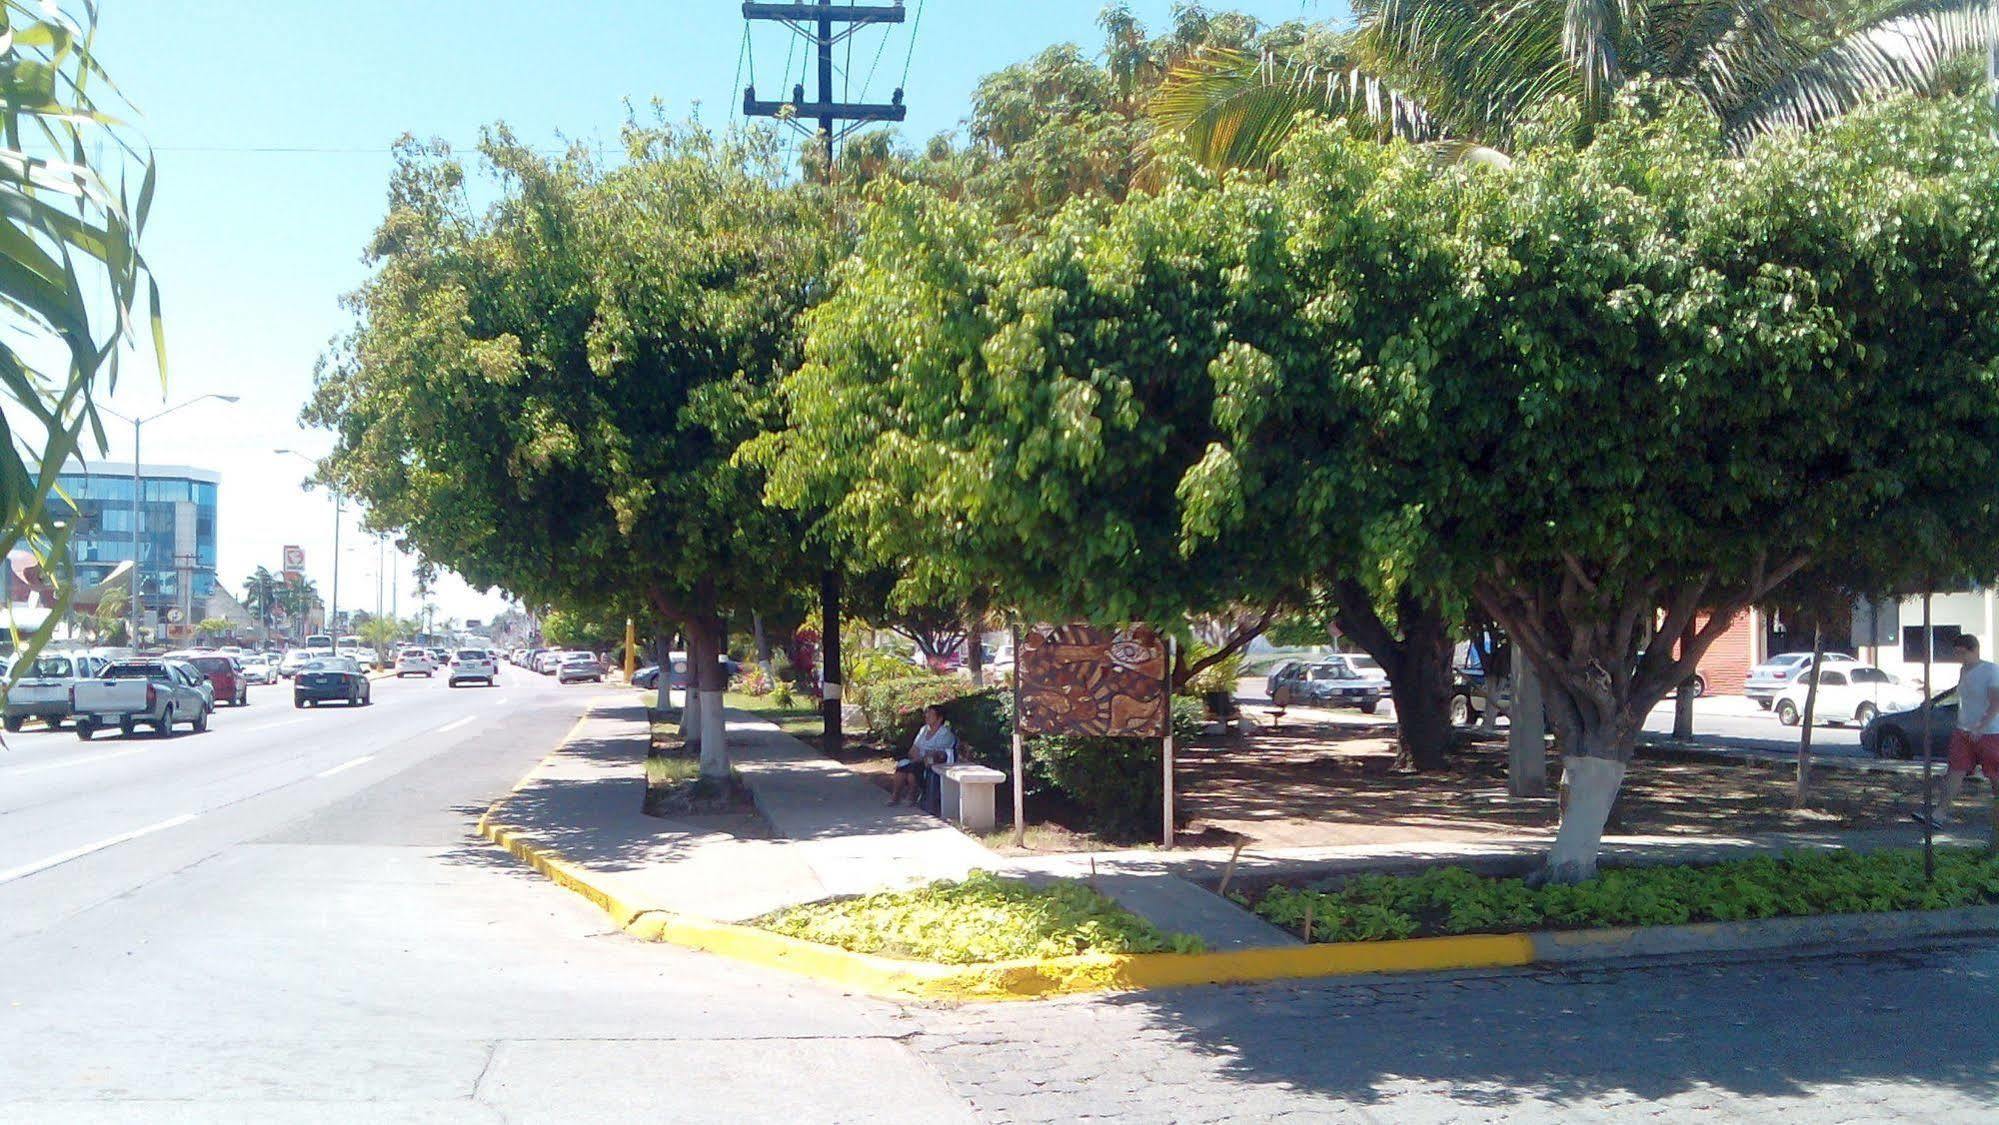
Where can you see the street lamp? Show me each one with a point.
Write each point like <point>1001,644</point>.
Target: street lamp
<point>333,600</point>
<point>137,488</point>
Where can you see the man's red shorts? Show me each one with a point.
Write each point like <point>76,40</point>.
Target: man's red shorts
<point>1982,753</point>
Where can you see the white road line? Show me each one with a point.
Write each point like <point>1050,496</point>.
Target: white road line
<point>345,766</point>
<point>449,727</point>
<point>71,763</point>
<point>25,870</point>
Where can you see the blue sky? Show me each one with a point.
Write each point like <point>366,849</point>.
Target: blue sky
<point>272,120</point>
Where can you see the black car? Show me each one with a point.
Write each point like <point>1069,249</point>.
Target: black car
<point>1899,734</point>
<point>331,679</point>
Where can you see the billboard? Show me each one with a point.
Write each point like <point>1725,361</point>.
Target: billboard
<point>1089,680</point>
<point>294,563</point>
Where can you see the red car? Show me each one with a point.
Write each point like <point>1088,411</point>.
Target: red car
<point>225,677</point>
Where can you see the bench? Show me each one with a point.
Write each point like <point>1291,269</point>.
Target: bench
<point>970,796</point>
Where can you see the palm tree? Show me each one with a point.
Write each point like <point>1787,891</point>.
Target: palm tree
<point>73,286</point>
<point>299,597</point>
<point>1464,74</point>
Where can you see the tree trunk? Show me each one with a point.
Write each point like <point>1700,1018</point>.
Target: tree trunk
<point>1801,791</point>
<point>1527,738</point>
<point>763,649</point>
<point>975,653</point>
<point>1683,701</point>
<point>831,679</point>
<point>707,684</point>
<point>690,707</point>
<point>1421,688</point>
<point>1589,789</point>
<point>664,687</point>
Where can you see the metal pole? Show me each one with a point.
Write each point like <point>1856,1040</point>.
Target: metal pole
<point>333,604</point>
<point>1166,747</point>
<point>1929,692</point>
<point>1019,757</point>
<point>133,640</point>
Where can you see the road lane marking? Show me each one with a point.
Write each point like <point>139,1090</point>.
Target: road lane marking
<point>17,771</point>
<point>449,727</point>
<point>60,858</point>
<point>345,766</point>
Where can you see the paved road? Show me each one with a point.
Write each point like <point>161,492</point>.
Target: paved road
<point>323,941</point>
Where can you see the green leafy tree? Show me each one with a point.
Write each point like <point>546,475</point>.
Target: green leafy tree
<point>299,598</point>
<point>381,634</point>
<point>566,629</point>
<point>109,622</point>
<point>547,396</point>
<point>74,287</point>
<point>1465,76</point>
<point>1605,389</point>
<point>214,628</point>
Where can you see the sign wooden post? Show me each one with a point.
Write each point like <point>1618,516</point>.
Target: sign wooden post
<point>1166,747</point>
<point>1019,762</point>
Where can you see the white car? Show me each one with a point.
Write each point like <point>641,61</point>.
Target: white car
<point>1772,676</point>
<point>260,668</point>
<point>415,662</point>
<point>473,665</point>
<point>1848,693</point>
<point>577,667</point>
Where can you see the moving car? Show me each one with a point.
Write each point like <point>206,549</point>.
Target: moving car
<point>224,676</point>
<point>260,668</point>
<point>331,679</point>
<point>578,667</point>
<point>127,693</point>
<point>1899,734</point>
<point>300,657</point>
<point>1847,693</point>
<point>415,662</point>
<point>469,665</point>
<point>43,692</point>
<point>1779,672</point>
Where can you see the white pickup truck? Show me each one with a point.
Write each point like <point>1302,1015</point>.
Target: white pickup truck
<point>43,692</point>
<point>158,693</point>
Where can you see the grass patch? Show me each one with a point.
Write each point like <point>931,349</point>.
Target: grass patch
<point>669,771</point>
<point>984,918</point>
<point>1452,900</point>
<point>800,718</point>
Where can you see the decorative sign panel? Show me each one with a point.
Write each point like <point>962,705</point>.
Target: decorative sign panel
<point>1086,680</point>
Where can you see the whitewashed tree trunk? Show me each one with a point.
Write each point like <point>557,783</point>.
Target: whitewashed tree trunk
<point>1527,738</point>
<point>1589,788</point>
<point>690,714</point>
<point>714,737</point>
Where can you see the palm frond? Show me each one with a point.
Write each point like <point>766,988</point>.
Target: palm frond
<point>1903,50</point>
<point>1235,110</point>
<point>1589,41</point>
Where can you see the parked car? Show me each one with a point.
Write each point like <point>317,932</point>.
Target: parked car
<point>224,676</point>
<point>549,661</point>
<point>578,667</point>
<point>415,662</point>
<point>1847,693</point>
<point>473,665</point>
<point>1779,672</point>
<point>678,662</point>
<point>332,679</point>
<point>1337,683</point>
<point>43,691</point>
<point>127,693</point>
<point>646,678</point>
<point>1899,734</point>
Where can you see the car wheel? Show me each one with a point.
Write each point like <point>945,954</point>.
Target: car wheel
<point>127,728</point>
<point>298,703</point>
<point>1461,711</point>
<point>1866,713</point>
<point>243,698</point>
<point>85,729</point>
<point>367,697</point>
<point>1763,703</point>
<point>1699,686</point>
<point>1370,707</point>
<point>1892,744</point>
<point>1787,713</point>
<point>165,726</point>
<point>14,723</point>
<point>201,720</point>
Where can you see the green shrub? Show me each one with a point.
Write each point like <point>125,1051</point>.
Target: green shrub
<point>781,694</point>
<point>1117,781</point>
<point>1218,678</point>
<point>984,918</point>
<point>878,666</point>
<point>1452,900</point>
<point>751,680</point>
<point>893,706</point>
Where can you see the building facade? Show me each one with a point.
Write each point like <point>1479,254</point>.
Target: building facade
<point>177,531</point>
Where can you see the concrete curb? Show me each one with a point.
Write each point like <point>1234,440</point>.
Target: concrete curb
<point>1035,979</point>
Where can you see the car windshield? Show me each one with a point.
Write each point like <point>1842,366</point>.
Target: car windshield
<point>212,664</point>
<point>53,666</point>
<point>1364,663</point>
<point>470,654</point>
<point>333,664</point>
<point>1331,672</point>
<point>157,672</point>
<point>1870,676</point>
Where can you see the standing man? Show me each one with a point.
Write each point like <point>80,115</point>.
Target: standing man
<point>1975,742</point>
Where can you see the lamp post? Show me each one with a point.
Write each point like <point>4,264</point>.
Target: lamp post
<point>138,487</point>
<point>333,599</point>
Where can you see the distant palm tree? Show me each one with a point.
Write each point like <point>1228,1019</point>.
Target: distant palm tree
<point>1463,74</point>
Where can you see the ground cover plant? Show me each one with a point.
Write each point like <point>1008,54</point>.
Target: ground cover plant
<point>981,918</point>
<point>1452,900</point>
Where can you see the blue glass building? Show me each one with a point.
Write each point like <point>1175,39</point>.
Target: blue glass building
<point>176,529</point>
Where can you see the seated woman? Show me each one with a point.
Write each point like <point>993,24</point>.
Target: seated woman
<point>936,745</point>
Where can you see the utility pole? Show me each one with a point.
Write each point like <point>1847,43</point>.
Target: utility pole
<point>823,27</point>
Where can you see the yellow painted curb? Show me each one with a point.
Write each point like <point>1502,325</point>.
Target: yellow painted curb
<point>1002,980</point>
